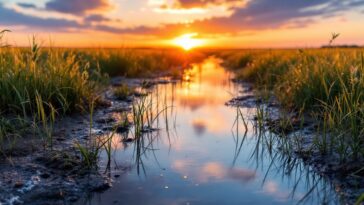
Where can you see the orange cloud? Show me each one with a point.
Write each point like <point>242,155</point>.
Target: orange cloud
<point>188,4</point>
<point>78,6</point>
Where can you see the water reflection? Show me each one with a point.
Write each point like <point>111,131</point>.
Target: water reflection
<point>305,186</point>
<point>199,125</point>
<point>233,163</point>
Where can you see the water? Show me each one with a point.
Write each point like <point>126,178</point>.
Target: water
<point>201,155</point>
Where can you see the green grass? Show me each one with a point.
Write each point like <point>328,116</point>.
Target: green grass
<point>360,200</point>
<point>91,150</point>
<point>328,83</point>
<point>59,80</point>
<point>38,85</point>
<point>136,63</point>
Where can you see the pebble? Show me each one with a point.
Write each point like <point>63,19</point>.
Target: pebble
<point>18,184</point>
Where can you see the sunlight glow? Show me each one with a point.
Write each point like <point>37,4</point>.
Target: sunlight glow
<point>187,41</point>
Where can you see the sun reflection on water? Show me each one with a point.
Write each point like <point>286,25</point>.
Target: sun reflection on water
<point>198,150</point>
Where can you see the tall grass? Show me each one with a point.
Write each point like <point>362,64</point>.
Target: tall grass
<point>145,112</point>
<point>278,151</point>
<point>38,84</point>
<point>58,79</point>
<point>91,150</point>
<point>328,83</point>
<point>139,62</point>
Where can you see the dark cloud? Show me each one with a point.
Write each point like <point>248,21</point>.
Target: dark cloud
<point>200,3</point>
<point>77,6</point>
<point>96,18</point>
<point>264,14</point>
<point>140,30</point>
<point>27,5</point>
<point>9,17</point>
<point>255,15</point>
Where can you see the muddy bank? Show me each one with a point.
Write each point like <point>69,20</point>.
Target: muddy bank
<point>347,177</point>
<point>31,174</point>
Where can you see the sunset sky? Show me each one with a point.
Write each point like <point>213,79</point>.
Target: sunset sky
<point>216,23</point>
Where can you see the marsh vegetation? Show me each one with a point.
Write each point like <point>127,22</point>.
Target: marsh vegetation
<point>299,119</point>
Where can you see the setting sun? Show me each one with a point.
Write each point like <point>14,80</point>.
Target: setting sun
<point>182,101</point>
<point>187,41</point>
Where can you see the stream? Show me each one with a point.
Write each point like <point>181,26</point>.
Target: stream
<point>204,152</point>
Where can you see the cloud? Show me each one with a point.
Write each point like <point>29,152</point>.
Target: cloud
<point>260,15</point>
<point>263,14</point>
<point>96,18</point>
<point>187,4</point>
<point>27,5</point>
<point>10,17</point>
<point>199,126</point>
<point>77,7</point>
<point>254,15</point>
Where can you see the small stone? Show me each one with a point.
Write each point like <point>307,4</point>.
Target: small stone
<point>122,129</point>
<point>101,187</point>
<point>45,175</point>
<point>73,199</point>
<point>107,128</point>
<point>128,140</point>
<point>18,184</point>
<point>105,120</point>
<point>60,139</point>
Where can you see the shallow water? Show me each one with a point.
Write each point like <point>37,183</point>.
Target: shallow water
<point>200,155</point>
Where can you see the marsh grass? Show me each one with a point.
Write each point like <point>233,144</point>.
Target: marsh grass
<point>326,83</point>
<point>47,121</point>
<point>360,200</point>
<point>90,151</point>
<point>39,84</point>
<point>145,114</point>
<point>11,129</point>
<point>122,92</point>
<point>2,34</point>
<point>150,114</point>
<point>280,155</point>
<point>60,81</point>
<point>139,63</point>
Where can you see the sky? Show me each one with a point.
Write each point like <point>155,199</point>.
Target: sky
<point>211,23</point>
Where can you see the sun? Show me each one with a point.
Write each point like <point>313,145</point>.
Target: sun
<point>187,41</point>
